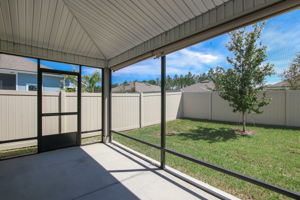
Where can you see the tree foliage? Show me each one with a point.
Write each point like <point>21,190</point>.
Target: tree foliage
<point>70,80</point>
<point>292,74</point>
<point>241,85</point>
<point>88,84</point>
<point>177,82</point>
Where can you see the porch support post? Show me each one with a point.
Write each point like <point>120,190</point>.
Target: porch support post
<point>109,106</point>
<point>39,106</point>
<point>102,106</point>
<point>78,135</point>
<point>163,112</point>
<point>106,104</point>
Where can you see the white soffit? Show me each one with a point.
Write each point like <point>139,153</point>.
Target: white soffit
<point>117,33</point>
<point>45,29</point>
<point>221,17</point>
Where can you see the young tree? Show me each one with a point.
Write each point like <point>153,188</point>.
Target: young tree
<point>241,84</point>
<point>292,74</point>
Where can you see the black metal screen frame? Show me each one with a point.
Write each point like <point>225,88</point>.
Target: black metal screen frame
<point>109,105</point>
<point>39,103</point>
<point>164,150</point>
<point>102,106</point>
<point>18,140</point>
<point>78,113</point>
<point>40,113</point>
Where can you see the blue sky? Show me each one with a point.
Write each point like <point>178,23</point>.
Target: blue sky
<point>281,35</point>
<point>68,67</point>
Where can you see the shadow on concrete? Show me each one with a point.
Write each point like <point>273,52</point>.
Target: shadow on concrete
<point>155,170</point>
<point>63,174</point>
<point>68,173</point>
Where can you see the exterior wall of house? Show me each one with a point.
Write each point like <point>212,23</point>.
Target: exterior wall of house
<point>50,83</point>
<point>24,79</point>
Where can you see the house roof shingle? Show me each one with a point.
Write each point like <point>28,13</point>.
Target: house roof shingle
<point>18,63</point>
<point>200,87</point>
<point>282,84</point>
<point>135,86</point>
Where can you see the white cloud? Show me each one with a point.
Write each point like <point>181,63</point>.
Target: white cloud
<point>198,56</point>
<point>140,69</point>
<point>281,35</point>
<point>180,62</point>
<point>186,57</point>
<point>90,70</point>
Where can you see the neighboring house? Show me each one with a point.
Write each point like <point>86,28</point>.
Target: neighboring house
<point>135,86</point>
<point>200,87</point>
<point>278,86</point>
<point>283,85</point>
<point>18,73</point>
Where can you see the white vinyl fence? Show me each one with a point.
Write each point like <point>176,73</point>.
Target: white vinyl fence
<point>134,110</point>
<point>18,115</point>
<point>18,111</point>
<point>284,109</point>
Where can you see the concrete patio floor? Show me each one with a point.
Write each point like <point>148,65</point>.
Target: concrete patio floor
<point>94,171</point>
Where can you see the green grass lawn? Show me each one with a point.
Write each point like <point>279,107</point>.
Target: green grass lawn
<point>17,152</point>
<point>91,139</point>
<point>272,155</point>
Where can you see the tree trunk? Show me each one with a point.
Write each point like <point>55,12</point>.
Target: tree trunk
<point>244,122</point>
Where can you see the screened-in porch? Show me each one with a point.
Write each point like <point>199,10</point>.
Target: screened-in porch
<point>74,124</point>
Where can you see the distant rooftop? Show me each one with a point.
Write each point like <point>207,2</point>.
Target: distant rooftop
<point>18,63</point>
<point>135,86</point>
<point>203,86</point>
<point>280,85</point>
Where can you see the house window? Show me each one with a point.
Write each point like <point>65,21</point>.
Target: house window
<point>7,81</point>
<point>31,87</point>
